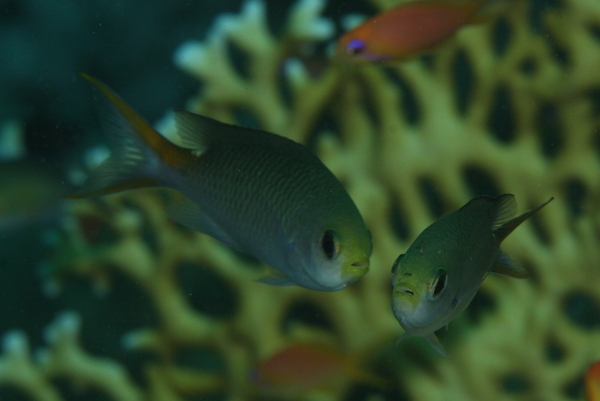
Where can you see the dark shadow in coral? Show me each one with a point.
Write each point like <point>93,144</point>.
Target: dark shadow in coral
<point>431,195</point>
<point>204,359</point>
<point>575,389</point>
<point>555,352</point>
<point>594,30</point>
<point>502,120</point>
<point>207,292</point>
<point>411,109</point>
<point>464,81</point>
<point>537,10</point>
<point>528,67</point>
<point>582,309</point>
<point>483,304</point>
<point>515,384</point>
<point>308,313</point>
<point>398,221</point>
<point>12,394</point>
<point>361,392</point>
<point>575,193</point>
<point>72,392</point>
<point>480,182</point>
<point>501,36</point>
<point>550,129</point>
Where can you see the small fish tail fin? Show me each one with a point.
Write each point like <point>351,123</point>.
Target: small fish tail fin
<point>138,150</point>
<point>503,228</point>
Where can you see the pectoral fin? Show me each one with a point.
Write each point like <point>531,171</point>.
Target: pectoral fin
<point>189,214</point>
<point>275,277</point>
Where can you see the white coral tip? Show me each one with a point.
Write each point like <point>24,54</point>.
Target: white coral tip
<point>306,23</point>
<point>67,324</point>
<point>225,23</point>
<point>253,9</point>
<point>12,141</point>
<point>131,341</point>
<point>295,71</point>
<point>190,55</point>
<point>351,21</point>
<point>322,29</point>
<point>15,343</point>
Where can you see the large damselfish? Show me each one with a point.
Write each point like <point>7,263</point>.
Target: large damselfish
<point>260,193</point>
<point>441,271</point>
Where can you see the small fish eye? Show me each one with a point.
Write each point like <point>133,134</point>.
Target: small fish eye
<point>355,46</point>
<point>440,282</point>
<point>330,244</point>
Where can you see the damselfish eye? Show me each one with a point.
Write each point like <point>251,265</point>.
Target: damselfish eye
<point>330,244</point>
<point>396,264</point>
<point>355,47</point>
<point>440,282</point>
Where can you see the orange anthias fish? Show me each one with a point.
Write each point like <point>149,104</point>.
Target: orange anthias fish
<point>301,368</point>
<point>407,30</point>
<point>592,382</point>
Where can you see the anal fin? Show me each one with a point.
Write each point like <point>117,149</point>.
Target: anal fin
<point>506,266</point>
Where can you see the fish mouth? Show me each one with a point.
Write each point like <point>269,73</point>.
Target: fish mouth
<point>401,288</point>
<point>355,271</point>
<point>340,278</point>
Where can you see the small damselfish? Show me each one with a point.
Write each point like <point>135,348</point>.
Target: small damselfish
<point>441,271</point>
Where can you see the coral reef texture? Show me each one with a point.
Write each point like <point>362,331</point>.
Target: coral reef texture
<point>511,105</point>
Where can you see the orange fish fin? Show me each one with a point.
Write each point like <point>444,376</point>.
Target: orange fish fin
<point>592,382</point>
<point>138,151</point>
<point>134,123</point>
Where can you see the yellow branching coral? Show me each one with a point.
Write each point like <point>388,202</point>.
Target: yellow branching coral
<point>510,106</point>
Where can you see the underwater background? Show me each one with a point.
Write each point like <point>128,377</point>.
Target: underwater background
<point>107,299</point>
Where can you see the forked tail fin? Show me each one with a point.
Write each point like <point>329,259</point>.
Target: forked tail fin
<point>138,151</point>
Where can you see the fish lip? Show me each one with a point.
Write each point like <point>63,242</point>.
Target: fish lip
<point>404,289</point>
<point>355,271</point>
<point>361,265</point>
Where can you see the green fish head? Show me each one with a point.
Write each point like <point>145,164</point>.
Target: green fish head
<point>420,299</point>
<point>340,258</point>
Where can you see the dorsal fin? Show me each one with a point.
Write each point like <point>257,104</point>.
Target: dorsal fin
<point>501,208</point>
<point>504,209</point>
<point>507,227</point>
<point>195,131</point>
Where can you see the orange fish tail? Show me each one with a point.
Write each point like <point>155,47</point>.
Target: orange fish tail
<point>138,151</point>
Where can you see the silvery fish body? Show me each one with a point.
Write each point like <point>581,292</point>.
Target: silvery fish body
<point>440,273</point>
<point>260,193</point>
